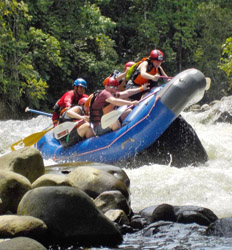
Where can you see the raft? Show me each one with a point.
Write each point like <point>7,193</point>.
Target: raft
<point>142,127</point>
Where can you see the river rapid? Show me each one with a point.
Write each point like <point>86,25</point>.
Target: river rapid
<point>208,185</point>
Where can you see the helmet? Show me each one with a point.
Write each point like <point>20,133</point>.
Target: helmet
<point>111,81</point>
<point>80,82</point>
<point>82,101</point>
<point>157,55</point>
<point>128,64</point>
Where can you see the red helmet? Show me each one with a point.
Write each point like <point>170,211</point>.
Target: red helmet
<point>128,64</point>
<point>111,81</point>
<point>157,55</point>
<point>82,101</point>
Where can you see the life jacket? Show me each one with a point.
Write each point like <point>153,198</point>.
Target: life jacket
<point>134,74</point>
<point>69,99</point>
<point>97,113</point>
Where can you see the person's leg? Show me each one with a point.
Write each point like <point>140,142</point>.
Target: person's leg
<point>85,130</point>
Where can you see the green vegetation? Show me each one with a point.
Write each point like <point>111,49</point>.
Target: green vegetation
<point>45,45</point>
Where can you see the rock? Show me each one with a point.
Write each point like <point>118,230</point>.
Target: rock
<point>178,146</point>
<point>13,186</point>
<point>181,214</point>
<point>66,168</point>
<point>163,212</point>
<point>221,228</point>
<point>21,243</point>
<point>14,226</point>
<point>70,215</point>
<point>194,214</point>
<point>25,161</point>
<point>51,180</point>
<point>112,200</point>
<point>95,181</point>
<point>118,216</point>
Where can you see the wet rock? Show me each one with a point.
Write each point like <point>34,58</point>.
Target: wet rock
<point>118,216</point>
<point>179,146</point>
<point>163,212</point>
<point>221,228</point>
<point>95,181</point>
<point>14,226</point>
<point>70,215</point>
<point>194,214</point>
<point>21,243</point>
<point>12,188</point>
<point>51,180</point>
<point>112,200</point>
<point>25,161</point>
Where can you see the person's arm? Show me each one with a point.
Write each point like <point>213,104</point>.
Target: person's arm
<point>75,113</point>
<point>143,72</point>
<point>121,76</point>
<point>121,102</point>
<point>130,92</point>
<point>162,71</point>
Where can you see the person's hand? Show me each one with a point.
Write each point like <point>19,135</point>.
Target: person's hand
<point>135,103</point>
<point>156,77</point>
<point>85,117</point>
<point>146,86</point>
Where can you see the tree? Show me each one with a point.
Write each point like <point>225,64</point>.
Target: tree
<point>22,83</point>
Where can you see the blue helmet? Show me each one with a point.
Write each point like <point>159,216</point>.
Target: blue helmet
<point>80,82</point>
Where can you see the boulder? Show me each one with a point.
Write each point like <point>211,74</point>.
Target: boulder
<point>66,168</point>
<point>70,215</point>
<point>109,200</point>
<point>25,161</point>
<point>178,146</point>
<point>95,181</point>
<point>21,243</point>
<point>220,228</point>
<point>194,214</point>
<point>181,214</point>
<point>118,216</point>
<point>51,180</point>
<point>163,212</point>
<point>12,188</point>
<point>14,226</point>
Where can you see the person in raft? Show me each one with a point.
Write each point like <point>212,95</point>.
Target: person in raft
<point>69,99</point>
<point>107,100</point>
<point>82,130</point>
<point>148,70</point>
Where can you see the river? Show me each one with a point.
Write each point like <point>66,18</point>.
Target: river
<point>208,185</point>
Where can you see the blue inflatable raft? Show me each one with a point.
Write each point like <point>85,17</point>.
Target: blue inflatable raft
<point>142,127</point>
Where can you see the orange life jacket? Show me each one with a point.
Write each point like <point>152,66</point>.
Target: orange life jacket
<point>136,75</point>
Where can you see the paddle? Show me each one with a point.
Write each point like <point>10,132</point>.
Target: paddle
<point>65,128</point>
<point>31,139</point>
<point>113,116</point>
<point>37,112</point>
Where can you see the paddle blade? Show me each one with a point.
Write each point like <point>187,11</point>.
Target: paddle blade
<point>63,129</point>
<point>31,139</point>
<point>111,117</point>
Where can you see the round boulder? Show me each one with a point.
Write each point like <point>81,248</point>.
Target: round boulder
<point>21,243</point>
<point>25,161</point>
<point>95,181</point>
<point>70,215</point>
<point>12,188</point>
<point>51,180</point>
<point>14,226</point>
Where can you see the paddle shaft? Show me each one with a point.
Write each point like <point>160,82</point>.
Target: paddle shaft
<point>37,112</point>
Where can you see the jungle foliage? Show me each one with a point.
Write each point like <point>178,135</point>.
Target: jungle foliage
<point>45,45</point>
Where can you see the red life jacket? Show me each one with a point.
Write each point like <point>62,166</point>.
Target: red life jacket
<point>99,106</point>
